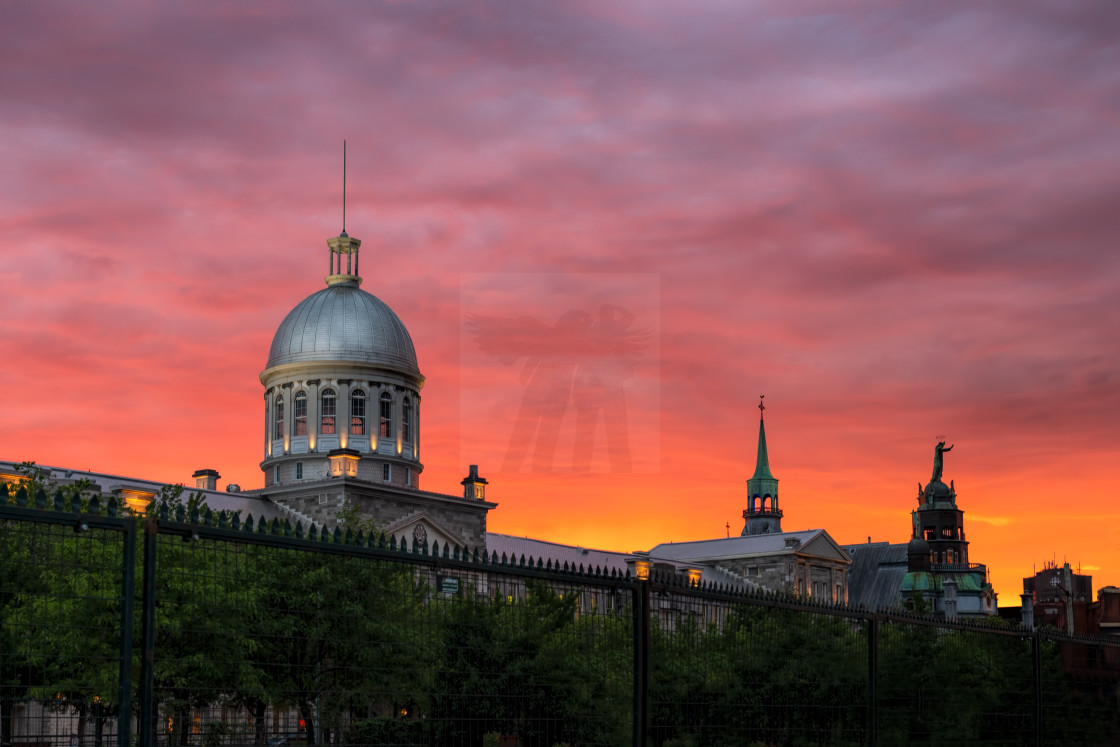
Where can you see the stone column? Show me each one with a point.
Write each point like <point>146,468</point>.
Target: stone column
<point>342,413</point>
<point>268,423</point>
<point>289,419</point>
<point>313,420</point>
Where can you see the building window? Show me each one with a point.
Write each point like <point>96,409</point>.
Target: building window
<point>386,416</point>
<point>327,412</point>
<point>276,474</point>
<point>299,470</point>
<point>358,413</point>
<point>386,472</point>
<point>300,413</point>
<point>279,416</point>
<point>406,420</point>
<point>408,475</point>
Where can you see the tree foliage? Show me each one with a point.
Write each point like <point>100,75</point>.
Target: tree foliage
<point>367,650</point>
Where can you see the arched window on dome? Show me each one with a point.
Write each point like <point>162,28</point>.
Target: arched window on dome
<point>327,412</point>
<point>300,413</point>
<point>406,420</point>
<point>278,417</point>
<point>386,416</point>
<point>358,413</point>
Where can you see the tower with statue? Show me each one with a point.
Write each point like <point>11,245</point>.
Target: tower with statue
<point>938,570</point>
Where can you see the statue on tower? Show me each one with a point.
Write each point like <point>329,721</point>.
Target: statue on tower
<point>939,460</point>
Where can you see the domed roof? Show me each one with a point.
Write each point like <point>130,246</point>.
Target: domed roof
<point>343,323</point>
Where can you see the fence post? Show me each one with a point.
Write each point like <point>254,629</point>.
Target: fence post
<point>148,635</point>
<point>641,662</point>
<point>1036,655</point>
<point>873,680</point>
<point>128,591</point>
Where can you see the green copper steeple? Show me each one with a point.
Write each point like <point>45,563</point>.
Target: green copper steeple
<point>763,515</point>
<point>762,463</point>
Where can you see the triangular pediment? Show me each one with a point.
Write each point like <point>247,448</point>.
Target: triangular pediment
<point>823,546</point>
<point>406,528</point>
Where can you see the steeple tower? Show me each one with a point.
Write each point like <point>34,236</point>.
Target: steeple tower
<point>763,516</point>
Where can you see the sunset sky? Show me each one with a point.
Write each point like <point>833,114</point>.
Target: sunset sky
<point>895,220</point>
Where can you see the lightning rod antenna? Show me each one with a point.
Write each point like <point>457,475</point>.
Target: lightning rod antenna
<point>343,187</point>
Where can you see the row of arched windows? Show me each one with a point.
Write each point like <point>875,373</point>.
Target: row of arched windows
<point>328,415</point>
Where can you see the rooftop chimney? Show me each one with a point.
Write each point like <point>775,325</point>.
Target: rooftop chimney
<point>206,479</point>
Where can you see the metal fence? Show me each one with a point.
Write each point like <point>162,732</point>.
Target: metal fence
<point>198,629</point>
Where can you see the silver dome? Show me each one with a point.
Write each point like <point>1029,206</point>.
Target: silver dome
<point>343,323</point>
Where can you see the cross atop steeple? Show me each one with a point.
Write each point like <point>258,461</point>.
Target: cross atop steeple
<point>761,406</point>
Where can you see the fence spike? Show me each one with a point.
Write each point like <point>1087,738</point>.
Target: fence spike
<point>445,549</point>
<point>299,530</point>
<point>504,560</point>
<point>40,498</point>
<point>111,507</point>
<point>338,535</point>
<point>180,513</point>
<point>262,525</point>
<point>95,504</point>
<point>521,564</point>
<point>287,528</point>
<point>392,542</point>
<point>348,538</point>
<point>476,555</point>
<point>164,512</point>
<point>435,548</point>
<point>21,496</point>
<point>455,554</point>
<point>381,540</point>
<point>59,503</point>
<point>194,514</point>
<point>75,504</point>
<point>208,517</point>
<point>222,520</point>
<point>566,567</point>
<point>249,523</point>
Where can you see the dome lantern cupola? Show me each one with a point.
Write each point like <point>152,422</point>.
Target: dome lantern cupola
<point>343,245</point>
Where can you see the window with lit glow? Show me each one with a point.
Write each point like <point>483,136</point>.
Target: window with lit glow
<point>386,416</point>
<point>406,420</point>
<point>278,416</point>
<point>358,413</point>
<point>327,412</point>
<point>300,413</point>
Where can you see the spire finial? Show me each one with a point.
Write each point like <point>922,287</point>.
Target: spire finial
<point>761,406</point>
<point>343,188</point>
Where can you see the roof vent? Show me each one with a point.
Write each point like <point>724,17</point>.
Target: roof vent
<point>793,542</point>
